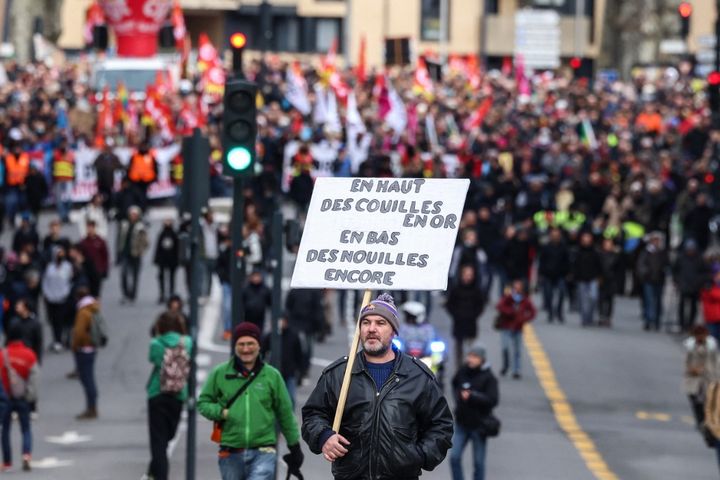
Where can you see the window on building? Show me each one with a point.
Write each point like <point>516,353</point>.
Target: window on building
<point>286,34</point>
<point>430,20</point>
<point>327,30</point>
<point>492,6</point>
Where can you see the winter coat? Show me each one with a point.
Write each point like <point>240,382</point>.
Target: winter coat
<point>222,267</point>
<point>610,269</point>
<point>57,281</point>
<point>36,189</point>
<point>252,417</point>
<point>81,339</point>
<point>256,300</point>
<point>652,265</point>
<point>476,258</point>
<point>157,353</point>
<point>292,353</point>
<point>703,357</point>
<point>484,395</point>
<point>710,298</point>
<point>689,273</point>
<point>586,265</point>
<point>395,432</point>
<point>696,224</point>
<point>24,362</point>
<point>95,249</point>
<point>465,303</point>
<point>513,315</point>
<point>31,333</point>
<point>138,241</point>
<point>553,261</point>
<point>305,309</point>
<point>167,249</point>
<point>516,259</point>
<point>22,237</point>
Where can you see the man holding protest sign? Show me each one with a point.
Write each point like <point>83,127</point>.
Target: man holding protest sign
<point>396,420</point>
<point>378,414</point>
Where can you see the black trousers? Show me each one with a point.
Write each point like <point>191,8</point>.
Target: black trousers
<point>688,301</point>
<point>163,418</point>
<point>130,273</point>
<point>57,313</point>
<point>166,281</point>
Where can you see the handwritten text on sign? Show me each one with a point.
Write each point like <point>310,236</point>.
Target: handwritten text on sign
<point>379,233</point>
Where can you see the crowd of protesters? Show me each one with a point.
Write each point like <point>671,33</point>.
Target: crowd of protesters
<point>581,191</point>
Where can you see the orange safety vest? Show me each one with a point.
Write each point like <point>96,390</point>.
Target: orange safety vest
<point>17,168</point>
<point>63,167</point>
<point>176,170</point>
<point>142,168</point>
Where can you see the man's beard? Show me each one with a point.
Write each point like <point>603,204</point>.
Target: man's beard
<point>375,351</point>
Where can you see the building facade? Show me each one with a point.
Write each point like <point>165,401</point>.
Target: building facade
<point>311,26</point>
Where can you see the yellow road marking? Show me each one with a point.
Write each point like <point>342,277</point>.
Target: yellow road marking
<point>563,411</point>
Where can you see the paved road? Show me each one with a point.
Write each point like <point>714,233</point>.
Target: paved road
<point>623,387</point>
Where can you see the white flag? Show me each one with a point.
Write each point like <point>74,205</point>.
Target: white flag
<point>332,122</point>
<point>353,120</point>
<point>297,90</point>
<point>320,112</point>
<point>397,116</point>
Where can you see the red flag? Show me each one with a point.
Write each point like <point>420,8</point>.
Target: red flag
<point>382,95</point>
<point>477,117</point>
<point>422,84</point>
<point>93,16</point>
<point>361,65</point>
<point>178,22</point>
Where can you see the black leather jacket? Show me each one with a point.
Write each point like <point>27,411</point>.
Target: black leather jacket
<point>394,432</point>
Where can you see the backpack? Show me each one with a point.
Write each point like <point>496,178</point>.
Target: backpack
<point>175,368</point>
<point>18,385</point>
<point>98,330</point>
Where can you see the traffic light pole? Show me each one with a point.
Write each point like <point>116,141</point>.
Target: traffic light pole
<point>198,148</point>
<point>277,238</point>
<point>237,272</point>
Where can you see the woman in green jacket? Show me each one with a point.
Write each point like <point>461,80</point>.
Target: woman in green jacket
<point>167,388</point>
<point>249,440</point>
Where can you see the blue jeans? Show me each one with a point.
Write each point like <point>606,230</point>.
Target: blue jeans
<point>63,199</point>
<point>652,301</point>
<point>226,307</point>
<point>250,464</point>
<point>22,407</point>
<point>511,340</point>
<point>85,362</point>
<point>587,296</point>
<point>460,438</point>
<point>553,297</point>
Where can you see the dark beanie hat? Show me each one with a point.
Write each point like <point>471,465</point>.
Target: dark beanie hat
<point>246,329</point>
<point>383,305</point>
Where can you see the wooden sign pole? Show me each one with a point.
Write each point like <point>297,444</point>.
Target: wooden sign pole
<point>349,366</point>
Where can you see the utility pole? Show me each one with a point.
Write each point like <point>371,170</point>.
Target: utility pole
<point>196,178</point>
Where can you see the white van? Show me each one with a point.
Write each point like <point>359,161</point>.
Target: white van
<point>135,73</point>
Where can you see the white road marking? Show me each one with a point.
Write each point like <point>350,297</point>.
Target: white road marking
<point>203,360</point>
<point>209,321</point>
<point>68,438</point>
<point>51,462</point>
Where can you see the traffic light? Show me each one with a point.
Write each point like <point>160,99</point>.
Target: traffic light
<point>685,11</point>
<point>714,97</point>
<point>238,42</point>
<point>239,128</point>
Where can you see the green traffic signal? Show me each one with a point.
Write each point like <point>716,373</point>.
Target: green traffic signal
<point>239,158</point>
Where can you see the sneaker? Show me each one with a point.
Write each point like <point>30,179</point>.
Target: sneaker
<point>71,375</point>
<point>517,376</point>
<point>6,467</point>
<point>26,463</point>
<point>56,347</point>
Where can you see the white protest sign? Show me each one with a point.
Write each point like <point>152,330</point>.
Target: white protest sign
<point>380,233</point>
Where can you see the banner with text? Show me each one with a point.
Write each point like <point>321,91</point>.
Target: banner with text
<point>380,233</point>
